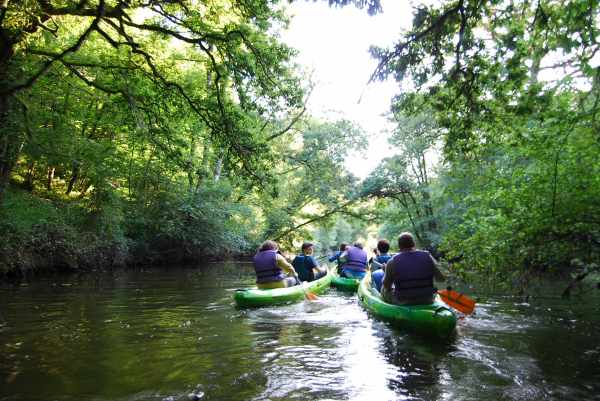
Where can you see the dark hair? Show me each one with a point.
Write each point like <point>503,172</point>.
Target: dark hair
<point>358,245</point>
<point>406,241</point>
<point>343,246</point>
<point>383,245</point>
<point>268,245</point>
<point>306,245</point>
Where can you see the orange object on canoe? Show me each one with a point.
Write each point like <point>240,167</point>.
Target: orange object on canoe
<point>458,301</point>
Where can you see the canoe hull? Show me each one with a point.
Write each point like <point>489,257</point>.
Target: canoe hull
<point>254,297</point>
<point>435,319</point>
<point>345,284</point>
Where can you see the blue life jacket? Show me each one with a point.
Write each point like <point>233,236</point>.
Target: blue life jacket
<point>383,258</point>
<point>356,259</point>
<point>265,266</point>
<point>336,256</point>
<point>412,273</point>
<point>303,264</point>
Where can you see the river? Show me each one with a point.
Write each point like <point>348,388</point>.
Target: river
<point>162,334</point>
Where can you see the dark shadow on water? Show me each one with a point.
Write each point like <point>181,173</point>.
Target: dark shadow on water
<point>420,362</point>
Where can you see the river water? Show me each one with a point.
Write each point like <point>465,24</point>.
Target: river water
<point>161,334</point>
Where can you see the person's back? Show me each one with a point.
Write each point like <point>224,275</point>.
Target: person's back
<point>336,257</point>
<point>305,264</point>
<point>383,258</point>
<point>355,261</point>
<point>269,267</point>
<point>411,272</point>
<point>379,262</point>
<point>265,267</point>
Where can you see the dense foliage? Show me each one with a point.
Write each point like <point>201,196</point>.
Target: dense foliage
<point>512,90</point>
<point>135,132</point>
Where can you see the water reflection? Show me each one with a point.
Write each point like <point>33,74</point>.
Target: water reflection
<point>149,335</point>
<point>418,362</point>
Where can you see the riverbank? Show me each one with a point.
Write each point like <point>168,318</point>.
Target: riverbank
<point>41,235</point>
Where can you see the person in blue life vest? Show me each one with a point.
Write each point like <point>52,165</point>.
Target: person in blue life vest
<point>354,261</point>
<point>336,257</point>
<point>270,267</point>
<point>378,263</point>
<point>411,273</point>
<point>306,265</point>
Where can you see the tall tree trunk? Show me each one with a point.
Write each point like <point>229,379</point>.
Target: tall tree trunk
<point>191,165</point>
<point>9,135</point>
<point>74,177</point>
<point>6,162</point>
<point>5,165</point>
<point>404,203</point>
<point>30,175</point>
<point>11,143</point>
<point>218,168</point>
<point>50,178</point>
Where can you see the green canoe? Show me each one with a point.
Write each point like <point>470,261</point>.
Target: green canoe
<point>345,284</point>
<point>253,297</point>
<point>435,319</point>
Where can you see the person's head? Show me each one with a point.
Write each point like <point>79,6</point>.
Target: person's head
<point>308,248</point>
<point>406,241</point>
<point>268,245</point>
<point>343,246</point>
<point>358,245</point>
<point>383,246</point>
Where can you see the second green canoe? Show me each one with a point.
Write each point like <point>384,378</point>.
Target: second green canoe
<point>254,297</point>
<point>435,319</point>
<point>344,283</point>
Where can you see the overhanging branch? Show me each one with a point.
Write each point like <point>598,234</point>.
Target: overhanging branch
<point>330,212</point>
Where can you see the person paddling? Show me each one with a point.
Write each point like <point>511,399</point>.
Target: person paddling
<point>378,263</point>
<point>270,266</point>
<point>354,261</point>
<point>411,272</point>
<point>336,257</point>
<point>305,264</point>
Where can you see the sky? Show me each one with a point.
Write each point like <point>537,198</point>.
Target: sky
<point>333,44</point>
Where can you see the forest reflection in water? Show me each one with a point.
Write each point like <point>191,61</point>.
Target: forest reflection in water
<point>158,333</point>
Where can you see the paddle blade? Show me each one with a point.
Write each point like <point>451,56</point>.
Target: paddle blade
<point>307,294</point>
<point>458,301</point>
<point>310,296</point>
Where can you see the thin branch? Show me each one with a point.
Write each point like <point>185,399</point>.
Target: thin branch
<point>436,25</point>
<point>73,48</point>
<point>80,10</point>
<point>289,126</point>
<point>463,25</point>
<point>316,218</point>
<point>90,82</point>
<point>75,63</point>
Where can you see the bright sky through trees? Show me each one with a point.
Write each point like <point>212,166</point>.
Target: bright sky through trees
<point>334,44</point>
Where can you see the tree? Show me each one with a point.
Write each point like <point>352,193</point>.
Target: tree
<point>125,49</point>
<point>513,89</point>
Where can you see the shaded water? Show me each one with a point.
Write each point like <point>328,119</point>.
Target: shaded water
<point>151,335</point>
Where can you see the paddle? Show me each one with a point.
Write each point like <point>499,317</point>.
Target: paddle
<point>458,301</point>
<point>307,294</point>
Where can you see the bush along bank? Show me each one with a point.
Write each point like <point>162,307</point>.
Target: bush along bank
<point>53,235</point>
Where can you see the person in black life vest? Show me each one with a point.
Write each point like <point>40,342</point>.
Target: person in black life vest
<point>305,264</point>
<point>378,263</point>
<point>270,266</point>
<point>411,273</point>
